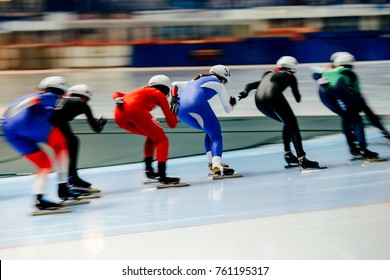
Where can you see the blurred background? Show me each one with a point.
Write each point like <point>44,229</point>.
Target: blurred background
<point>38,34</point>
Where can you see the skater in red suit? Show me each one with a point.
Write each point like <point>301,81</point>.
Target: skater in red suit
<point>26,124</point>
<point>132,114</point>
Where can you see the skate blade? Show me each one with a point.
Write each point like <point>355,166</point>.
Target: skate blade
<point>175,185</point>
<point>371,160</point>
<point>90,196</point>
<point>94,190</point>
<point>151,181</point>
<point>355,158</point>
<point>309,170</point>
<point>220,177</point>
<point>75,203</point>
<point>50,212</point>
<point>291,166</point>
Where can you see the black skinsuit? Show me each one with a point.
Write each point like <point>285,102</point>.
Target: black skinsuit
<point>271,102</point>
<point>73,107</point>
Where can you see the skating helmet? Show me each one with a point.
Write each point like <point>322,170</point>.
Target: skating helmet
<point>80,91</point>
<point>336,54</point>
<point>221,71</point>
<point>159,80</point>
<point>288,62</point>
<point>344,60</point>
<point>55,82</point>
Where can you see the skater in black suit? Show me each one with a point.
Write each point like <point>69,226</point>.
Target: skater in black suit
<point>271,102</point>
<point>76,104</point>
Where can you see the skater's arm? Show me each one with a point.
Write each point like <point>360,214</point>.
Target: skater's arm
<point>178,86</point>
<point>26,103</point>
<point>225,98</point>
<point>353,80</point>
<point>97,125</point>
<point>170,116</point>
<point>294,88</point>
<point>248,88</point>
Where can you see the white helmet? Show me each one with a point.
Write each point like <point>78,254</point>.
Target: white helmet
<point>160,80</point>
<point>336,54</point>
<point>288,62</point>
<point>344,59</point>
<point>81,90</point>
<point>54,82</point>
<point>221,70</point>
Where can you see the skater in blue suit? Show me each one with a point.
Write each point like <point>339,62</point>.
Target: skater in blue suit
<point>27,125</point>
<point>195,111</point>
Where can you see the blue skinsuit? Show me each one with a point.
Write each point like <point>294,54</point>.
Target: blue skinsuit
<point>195,110</point>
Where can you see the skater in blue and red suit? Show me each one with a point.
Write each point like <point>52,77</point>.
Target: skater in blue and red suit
<point>271,102</point>
<point>27,124</point>
<point>133,114</point>
<point>195,111</point>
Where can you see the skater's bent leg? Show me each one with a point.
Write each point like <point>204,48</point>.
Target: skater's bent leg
<point>286,139</point>
<point>44,167</point>
<point>207,143</point>
<point>57,141</point>
<point>73,149</point>
<point>149,148</point>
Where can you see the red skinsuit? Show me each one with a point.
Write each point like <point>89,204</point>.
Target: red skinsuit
<point>136,118</point>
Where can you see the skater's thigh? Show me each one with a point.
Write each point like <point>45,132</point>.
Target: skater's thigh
<point>199,116</point>
<point>147,126</point>
<point>24,146</point>
<point>267,109</point>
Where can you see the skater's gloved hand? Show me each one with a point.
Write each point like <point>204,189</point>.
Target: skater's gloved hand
<point>232,101</point>
<point>101,122</point>
<point>242,95</point>
<point>316,76</point>
<point>174,104</point>
<point>119,102</point>
<point>298,98</point>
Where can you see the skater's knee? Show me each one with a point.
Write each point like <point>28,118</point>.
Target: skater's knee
<point>40,159</point>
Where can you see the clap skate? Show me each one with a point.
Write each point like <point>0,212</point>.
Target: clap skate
<point>46,207</point>
<point>70,197</point>
<point>308,165</point>
<point>292,161</point>
<point>152,177</point>
<point>225,174</point>
<point>210,165</point>
<point>367,156</point>
<point>77,181</point>
<point>170,182</point>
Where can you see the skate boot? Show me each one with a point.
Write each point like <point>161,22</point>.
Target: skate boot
<point>163,178</point>
<point>367,154</point>
<point>151,174</point>
<point>80,185</point>
<point>43,204</point>
<point>225,171</point>
<point>355,151</point>
<point>169,180</point>
<point>65,192</point>
<point>223,165</point>
<point>291,159</point>
<point>305,163</point>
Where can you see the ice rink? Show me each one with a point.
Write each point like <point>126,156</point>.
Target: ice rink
<point>272,213</point>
